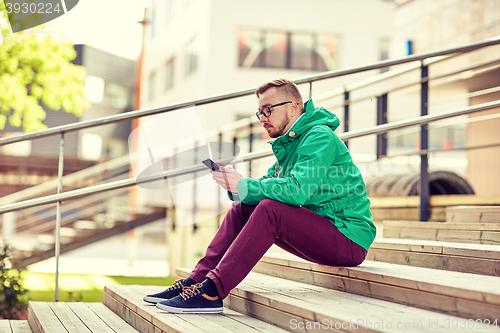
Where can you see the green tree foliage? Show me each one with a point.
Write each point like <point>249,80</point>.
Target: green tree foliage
<point>36,70</point>
<point>13,300</point>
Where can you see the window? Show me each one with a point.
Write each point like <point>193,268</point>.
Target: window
<point>94,89</point>
<point>277,49</point>
<point>117,95</point>
<point>152,82</point>
<point>191,58</point>
<point>153,18</point>
<point>91,147</point>
<point>169,74</point>
<point>170,10</point>
<point>384,52</point>
<point>302,51</point>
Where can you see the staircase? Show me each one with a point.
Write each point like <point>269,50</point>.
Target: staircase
<point>83,221</point>
<point>414,285</point>
<point>84,232</point>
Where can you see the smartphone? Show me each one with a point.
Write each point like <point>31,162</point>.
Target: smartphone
<point>211,164</point>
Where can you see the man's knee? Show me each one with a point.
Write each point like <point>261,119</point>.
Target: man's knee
<point>273,205</point>
<point>268,203</point>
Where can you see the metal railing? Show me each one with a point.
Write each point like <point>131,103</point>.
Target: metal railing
<point>423,59</point>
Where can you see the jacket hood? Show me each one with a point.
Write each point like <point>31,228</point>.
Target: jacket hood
<point>313,116</point>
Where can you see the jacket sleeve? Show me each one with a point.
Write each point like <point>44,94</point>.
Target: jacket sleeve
<point>270,174</point>
<point>314,157</point>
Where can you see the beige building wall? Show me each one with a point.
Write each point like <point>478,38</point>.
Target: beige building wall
<point>484,164</point>
<point>362,28</point>
<point>433,25</point>
<point>209,28</point>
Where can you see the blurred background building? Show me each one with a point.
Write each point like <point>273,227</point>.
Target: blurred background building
<point>195,49</point>
<point>427,26</point>
<point>198,49</point>
<point>109,86</point>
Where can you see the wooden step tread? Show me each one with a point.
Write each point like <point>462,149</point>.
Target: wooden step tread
<point>51,317</point>
<point>127,302</point>
<point>460,257</point>
<point>481,233</point>
<point>477,214</point>
<point>471,286</point>
<point>480,209</point>
<point>444,225</point>
<point>14,326</point>
<point>459,249</point>
<point>288,303</point>
<point>461,294</point>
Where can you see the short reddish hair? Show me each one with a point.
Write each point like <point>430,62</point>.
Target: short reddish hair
<point>285,87</point>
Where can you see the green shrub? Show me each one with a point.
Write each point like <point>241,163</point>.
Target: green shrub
<point>13,298</point>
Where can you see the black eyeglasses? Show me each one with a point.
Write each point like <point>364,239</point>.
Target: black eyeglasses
<point>266,110</point>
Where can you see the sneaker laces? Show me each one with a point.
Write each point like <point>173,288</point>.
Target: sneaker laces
<point>188,292</point>
<point>177,284</point>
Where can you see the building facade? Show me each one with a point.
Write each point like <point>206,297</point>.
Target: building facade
<point>430,25</point>
<point>195,49</point>
<point>109,86</point>
<point>203,48</point>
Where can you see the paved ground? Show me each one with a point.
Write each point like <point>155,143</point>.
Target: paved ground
<point>118,255</point>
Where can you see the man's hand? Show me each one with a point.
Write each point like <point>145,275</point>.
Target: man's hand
<point>228,178</point>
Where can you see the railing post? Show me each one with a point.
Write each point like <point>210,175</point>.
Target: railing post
<point>195,187</point>
<point>310,90</point>
<point>346,115</point>
<point>172,192</point>
<point>250,147</point>
<point>424,145</point>
<point>381,119</point>
<point>58,215</point>
<point>219,203</point>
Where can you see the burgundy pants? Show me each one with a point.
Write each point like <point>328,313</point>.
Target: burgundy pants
<point>247,232</point>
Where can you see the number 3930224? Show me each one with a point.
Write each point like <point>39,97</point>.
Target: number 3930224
<point>29,7</point>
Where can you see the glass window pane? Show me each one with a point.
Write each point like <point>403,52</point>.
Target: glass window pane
<point>191,56</point>
<point>153,18</point>
<point>326,52</point>
<point>94,89</point>
<point>169,74</point>
<point>275,53</point>
<point>250,46</point>
<point>170,10</point>
<point>117,95</point>
<point>91,147</point>
<point>302,51</point>
<point>152,82</point>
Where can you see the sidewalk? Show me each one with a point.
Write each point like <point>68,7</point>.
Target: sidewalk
<point>111,257</point>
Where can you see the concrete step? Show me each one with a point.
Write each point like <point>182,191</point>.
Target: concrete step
<point>460,257</point>
<point>473,214</point>
<point>305,307</point>
<point>14,326</point>
<point>126,301</point>
<point>46,317</point>
<point>477,233</point>
<point>453,293</point>
<point>85,237</point>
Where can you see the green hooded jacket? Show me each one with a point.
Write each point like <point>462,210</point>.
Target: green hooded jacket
<point>315,170</point>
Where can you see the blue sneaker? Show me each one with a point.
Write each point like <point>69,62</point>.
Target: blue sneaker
<point>170,292</point>
<point>192,300</point>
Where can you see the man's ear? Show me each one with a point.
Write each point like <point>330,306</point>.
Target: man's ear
<point>295,107</point>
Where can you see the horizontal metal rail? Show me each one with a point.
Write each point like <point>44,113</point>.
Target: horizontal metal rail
<point>415,85</point>
<point>248,157</point>
<point>338,92</point>
<point>107,166</point>
<point>430,151</point>
<point>327,75</point>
